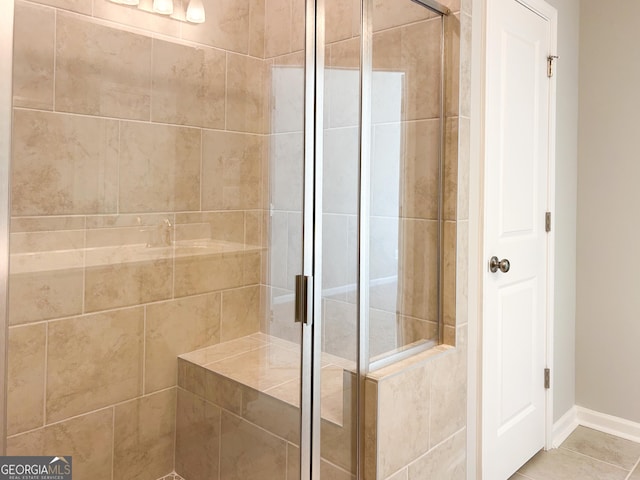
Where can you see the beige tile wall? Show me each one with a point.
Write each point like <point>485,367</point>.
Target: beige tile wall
<point>88,437</point>
<point>144,436</point>
<point>100,70</point>
<point>64,164</point>
<point>416,416</point>
<point>116,130</point>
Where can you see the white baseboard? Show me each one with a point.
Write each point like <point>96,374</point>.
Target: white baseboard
<point>602,422</point>
<point>564,427</point>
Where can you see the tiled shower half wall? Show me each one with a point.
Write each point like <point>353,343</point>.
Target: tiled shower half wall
<point>156,230</point>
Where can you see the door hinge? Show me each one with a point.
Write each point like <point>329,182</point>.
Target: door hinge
<point>547,222</point>
<point>547,378</point>
<point>304,299</point>
<point>550,60</point>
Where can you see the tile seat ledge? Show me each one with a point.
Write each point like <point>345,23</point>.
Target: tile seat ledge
<point>263,364</point>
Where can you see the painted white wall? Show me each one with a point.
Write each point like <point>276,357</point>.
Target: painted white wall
<point>608,295</point>
<point>563,374</point>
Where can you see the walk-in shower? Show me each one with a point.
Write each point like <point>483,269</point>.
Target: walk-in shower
<point>221,224</point>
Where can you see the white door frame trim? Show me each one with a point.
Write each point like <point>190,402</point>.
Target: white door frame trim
<point>477,261</point>
<point>545,10</point>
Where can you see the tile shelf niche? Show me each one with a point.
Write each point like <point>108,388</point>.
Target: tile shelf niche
<point>50,260</point>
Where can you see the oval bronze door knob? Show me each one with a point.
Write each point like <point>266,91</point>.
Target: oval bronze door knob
<point>503,265</point>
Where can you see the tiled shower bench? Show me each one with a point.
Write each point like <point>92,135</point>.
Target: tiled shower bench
<point>239,404</point>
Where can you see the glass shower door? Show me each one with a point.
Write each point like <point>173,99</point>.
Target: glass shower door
<point>404,217</point>
<point>381,209</point>
<point>156,232</point>
<point>282,406</point>
<point>171,176</point>
<point>337,212</point>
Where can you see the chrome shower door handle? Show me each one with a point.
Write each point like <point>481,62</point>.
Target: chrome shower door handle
<point>503,265</point>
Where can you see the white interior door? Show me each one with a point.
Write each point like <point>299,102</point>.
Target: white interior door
<point>516,199</point>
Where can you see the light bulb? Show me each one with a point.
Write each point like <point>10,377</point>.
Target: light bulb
<point>164,7</point>
<point>127,2</point>
<point>195,12</point>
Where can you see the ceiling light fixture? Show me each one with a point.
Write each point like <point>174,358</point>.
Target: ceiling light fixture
<point>132,3</point>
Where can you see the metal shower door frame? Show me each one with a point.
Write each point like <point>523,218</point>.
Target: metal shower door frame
<point>6,102</point>
<point>311,241</point>
<point>310,454</point>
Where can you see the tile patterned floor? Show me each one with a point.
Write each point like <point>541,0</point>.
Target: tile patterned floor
<point>586,455</point>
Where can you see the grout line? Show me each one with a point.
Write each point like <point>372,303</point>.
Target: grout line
<point>132,307</point>
<point>226,89</point>
<point>173,274</point>
<point>113,441</point>
<point>144,349</point>
<point>174,254</point>
<point>436,17</point>
<point>46,373</point>
<point>175,425</point>
<point>118,168</point>
<point>230,357</point>
<point>127,214</point>
<point>243,419</point>
<point>97,312</point>
<point>221,323</point>
<point>84,268</point>
<point>244,229</point>
<point>264,29</point>
<point>138,121</point>
<point>286,461</point>
<point>336,128</point>
<point>338,467</point>
<point>523,475</point>
<point>633,469</point>
<point>291,27</point>
<point>273,387</point>
<point>97,410</point>
<point>593,458</point>
<point>201,168</point>
<point>434,447</point>
<point>264,34</point>
<point>55,57</point>
<point>220,439</point>
<point>431,409</point>
<point>151,72</point>
<point>250,31</point>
